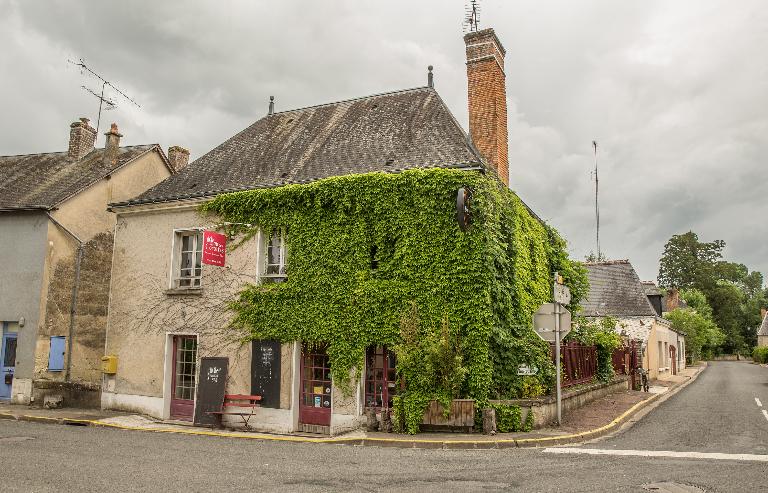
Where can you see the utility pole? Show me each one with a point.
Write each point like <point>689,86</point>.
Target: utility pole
<point>597,205</point>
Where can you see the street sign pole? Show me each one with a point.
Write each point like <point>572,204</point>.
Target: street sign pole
<point>557,354</point>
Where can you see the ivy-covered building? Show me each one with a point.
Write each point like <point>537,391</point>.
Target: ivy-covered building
<point>352,280</point>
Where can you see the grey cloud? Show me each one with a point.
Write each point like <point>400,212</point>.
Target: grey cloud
<point>673,91</point>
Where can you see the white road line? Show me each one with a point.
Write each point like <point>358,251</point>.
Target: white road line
<point>658,453</point>
<point>758,402</point>
<point>765,413</point>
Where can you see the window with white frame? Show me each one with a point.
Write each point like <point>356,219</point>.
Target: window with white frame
<point>188,256</point>
<point>275,256</point>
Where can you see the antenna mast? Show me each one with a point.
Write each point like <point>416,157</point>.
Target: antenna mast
<point>100,96</point>
<point>472,16</point>
<point>597,205</point>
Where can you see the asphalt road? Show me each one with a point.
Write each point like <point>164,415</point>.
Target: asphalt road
<point>42,457</point>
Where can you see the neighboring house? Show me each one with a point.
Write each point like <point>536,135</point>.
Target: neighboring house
<point>171,306</point>
<point>56,255</point>
<point>616,291</point>
<point>762,331</point>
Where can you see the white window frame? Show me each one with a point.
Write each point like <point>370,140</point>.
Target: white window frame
<point>196,282</point>
<point>282,266</point>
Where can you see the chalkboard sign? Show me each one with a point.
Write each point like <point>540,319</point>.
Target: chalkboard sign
<point>211,385</point>
<point>265,372</point>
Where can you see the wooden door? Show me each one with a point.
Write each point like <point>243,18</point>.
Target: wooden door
<point>315,398</point>
<point>673,357</point>
<point>184,381</point>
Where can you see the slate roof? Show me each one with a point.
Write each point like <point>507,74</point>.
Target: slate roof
<point>615,290</point>
<point>763,330</point>
<point>43,181</point>
<point>386,132</point>
<point>650,288</point>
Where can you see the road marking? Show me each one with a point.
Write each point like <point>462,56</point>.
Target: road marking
<point>758,402</point>
<point>658,453</point>
<point>765,413</point>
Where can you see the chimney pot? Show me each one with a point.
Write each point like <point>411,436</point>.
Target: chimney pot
<point>112,146</point>
<point>178,157</point>
<point>82,138</point>
<point>488,99</point>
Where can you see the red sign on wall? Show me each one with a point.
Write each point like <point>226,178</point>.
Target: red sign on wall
<point>214,248</point>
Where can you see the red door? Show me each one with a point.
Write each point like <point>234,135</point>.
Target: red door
<point>315,401</point>
<point>184,379</point>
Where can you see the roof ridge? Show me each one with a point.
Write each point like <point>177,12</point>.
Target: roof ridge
<point>64,152</point>
<point>352,100</point>
<point>609,262</point>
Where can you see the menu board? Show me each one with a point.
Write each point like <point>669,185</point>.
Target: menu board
<point>211,386</point>
<point>265,372</point>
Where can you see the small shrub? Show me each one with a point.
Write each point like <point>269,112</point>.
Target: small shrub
<point>760,354</point>
<point>528,425</point>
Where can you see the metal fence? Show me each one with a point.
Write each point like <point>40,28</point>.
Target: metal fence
<point>579,362</point>
<point>625,361</point>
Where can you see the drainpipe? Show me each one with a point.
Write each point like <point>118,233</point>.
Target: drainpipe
<point>75,286</point>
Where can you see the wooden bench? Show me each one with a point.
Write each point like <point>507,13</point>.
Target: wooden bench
<point>241,401</point>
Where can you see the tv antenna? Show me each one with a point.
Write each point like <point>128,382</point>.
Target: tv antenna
<point>110,103</point>
<point>471,16</point>
<point>597,205</point>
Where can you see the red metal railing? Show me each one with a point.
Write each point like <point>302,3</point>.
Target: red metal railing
<point>579,362</point>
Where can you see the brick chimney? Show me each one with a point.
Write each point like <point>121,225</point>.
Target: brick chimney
<point>178,157</point>
<point>673,299</point>
<point>82,138</point>
<point>763,311</point>
<point>488,99</point>
<point>112,147</point>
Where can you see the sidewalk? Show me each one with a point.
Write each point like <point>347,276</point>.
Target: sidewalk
<point>596,419</point>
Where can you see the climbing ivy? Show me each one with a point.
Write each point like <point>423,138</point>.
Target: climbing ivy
<point>367,253</point>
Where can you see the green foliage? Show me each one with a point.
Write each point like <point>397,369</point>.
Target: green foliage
<point>734,294</point>
<point>529,421</point>
<point>688,262</point>
<point>760,354</point>
<point>508,418</point>
<point>377,258</point>
<point>532,388</point>
<point>702,336</point>
<point>600,333</point>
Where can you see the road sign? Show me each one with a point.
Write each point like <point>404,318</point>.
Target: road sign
<point>544,322</point>
<point>562,294</point>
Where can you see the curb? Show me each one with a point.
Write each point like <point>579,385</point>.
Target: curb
<point>618,425</point>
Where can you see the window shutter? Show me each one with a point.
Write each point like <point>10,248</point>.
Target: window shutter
<point>56,354</point>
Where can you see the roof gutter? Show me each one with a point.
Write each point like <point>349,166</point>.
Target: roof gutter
<point>75,287</point>
<point>213,193</point>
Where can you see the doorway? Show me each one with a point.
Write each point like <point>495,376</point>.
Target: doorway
<point>184,377</point>
<point>7,362</point>
<point>315,397</point>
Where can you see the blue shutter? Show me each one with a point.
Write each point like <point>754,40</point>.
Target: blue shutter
<point>56,355</point>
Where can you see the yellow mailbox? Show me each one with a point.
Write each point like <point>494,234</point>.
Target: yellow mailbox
<point>109,364</point>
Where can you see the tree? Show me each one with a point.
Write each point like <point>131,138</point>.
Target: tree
<point>702,336</point>
<point>688,262</point>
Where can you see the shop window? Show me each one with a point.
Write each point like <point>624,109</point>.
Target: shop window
<point>381,383</point>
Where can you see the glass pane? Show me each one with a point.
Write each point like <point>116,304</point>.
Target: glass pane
<point>186,243</point>
<point>10,352</point>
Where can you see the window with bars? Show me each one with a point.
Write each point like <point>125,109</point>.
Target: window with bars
<point>380,377</point>
<point>188,247</point>
<point>276,257</point>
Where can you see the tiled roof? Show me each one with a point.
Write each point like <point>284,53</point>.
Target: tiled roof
<point>763,330</point>
<point>42,181</point>
<point>386,132</point>
<point>615,290</point>
<point>650,288</point>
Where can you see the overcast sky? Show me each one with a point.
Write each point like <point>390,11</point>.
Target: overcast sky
<point>675,93</point>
